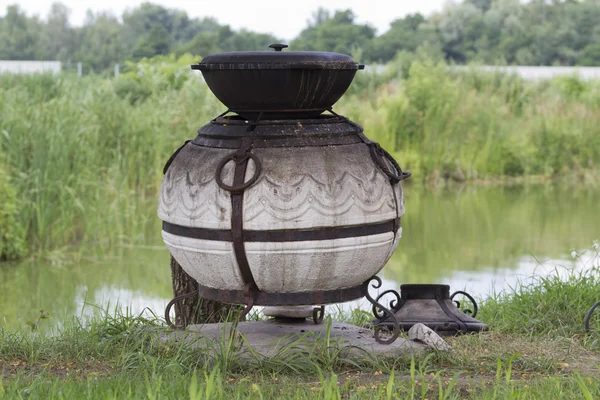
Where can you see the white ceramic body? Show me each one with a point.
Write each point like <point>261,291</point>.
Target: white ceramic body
<point>298,188</point>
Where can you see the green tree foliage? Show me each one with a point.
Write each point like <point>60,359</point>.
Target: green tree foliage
<point>19,38</point>
<point>225,39</point>
<point>535,32</point>
<point>100,43</point>
<point>405,34</point>
<point>155,42</point>
<point>591,54</point>
<point>336,32</point>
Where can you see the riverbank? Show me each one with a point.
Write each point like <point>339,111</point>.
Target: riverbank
<point>536,348</point>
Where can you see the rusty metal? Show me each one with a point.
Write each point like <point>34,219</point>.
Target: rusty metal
<point>475,309</point>
<point>456,322</point>
<point>394,303</point>
<point>172,303</point>
<point>588,317</point>
<point>261,142</point>
<point>237,214</point>
<point>385,313</point>
<point>325,130</point>
<point>284,235</point>
<point>283,299</point>
<point>379,155</point>
<point>249,303</point>
<point>318,315</point>
<point>237,159</point>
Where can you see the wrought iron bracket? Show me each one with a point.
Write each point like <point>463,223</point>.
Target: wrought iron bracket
<point>382,313</point>
<point>471,299</point>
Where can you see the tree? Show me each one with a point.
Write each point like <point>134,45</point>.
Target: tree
<point>337,33</point>
<point>57,41</point>
<point>100,43</point>
<point>591,55</point>
<point>405,34</point>
<point>19,36</point>
<point>155,42</point>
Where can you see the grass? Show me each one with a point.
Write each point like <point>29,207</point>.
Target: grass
<point>548,305</point>
<point>536,349</point>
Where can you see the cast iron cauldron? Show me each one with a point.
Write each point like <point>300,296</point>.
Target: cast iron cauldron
<point>281,84</point>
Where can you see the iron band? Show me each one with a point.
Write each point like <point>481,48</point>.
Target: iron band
<point>287,235</point>
<point>283,299</point>
<point>278,141</point>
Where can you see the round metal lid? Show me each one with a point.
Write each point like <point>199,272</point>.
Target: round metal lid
<point>278,59</point>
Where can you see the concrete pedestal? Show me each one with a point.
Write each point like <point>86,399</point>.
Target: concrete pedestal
<point>267,338</point>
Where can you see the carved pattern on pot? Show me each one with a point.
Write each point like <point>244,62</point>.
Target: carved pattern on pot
<point>351,193</point>
<point>310,194</point>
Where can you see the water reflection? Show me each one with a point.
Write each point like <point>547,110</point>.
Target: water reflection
<point>481,239</point>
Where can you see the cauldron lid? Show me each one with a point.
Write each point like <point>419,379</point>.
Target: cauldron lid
<point>278,60</point>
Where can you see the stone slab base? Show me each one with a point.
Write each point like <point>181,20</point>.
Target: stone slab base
<point>267,338</point>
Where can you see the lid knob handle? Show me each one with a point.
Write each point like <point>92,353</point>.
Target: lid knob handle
<point>278,46</point>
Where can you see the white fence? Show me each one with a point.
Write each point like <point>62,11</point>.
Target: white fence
<point>30,67</point>
<point>525,72</point>
<point>537,73</point>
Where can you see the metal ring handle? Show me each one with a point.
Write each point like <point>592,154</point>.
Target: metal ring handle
<point>468,296</point>
<point>250,182</point>
<point>589,316</point>
<point>378,153</point>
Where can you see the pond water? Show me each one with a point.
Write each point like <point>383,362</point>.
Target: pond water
<point>482,239</point>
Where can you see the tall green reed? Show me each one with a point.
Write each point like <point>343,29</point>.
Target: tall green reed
<point>468,124</point>
<point>86,162</point>
<point>85,154</point>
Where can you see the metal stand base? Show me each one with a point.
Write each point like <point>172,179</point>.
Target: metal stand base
<point>391,328</point>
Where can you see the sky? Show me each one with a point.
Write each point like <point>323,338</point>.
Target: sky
<point>283,18</point>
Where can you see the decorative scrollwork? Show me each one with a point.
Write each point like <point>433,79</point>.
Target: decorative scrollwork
<point>385,313</point>
<point>473,312</point>
<point>172,303</point>
<point>394,303</point>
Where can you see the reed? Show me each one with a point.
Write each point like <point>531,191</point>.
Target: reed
<point>85,155</point>
<point>467,125</point>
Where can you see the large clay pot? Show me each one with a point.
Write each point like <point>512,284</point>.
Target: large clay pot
<point>321,210</point>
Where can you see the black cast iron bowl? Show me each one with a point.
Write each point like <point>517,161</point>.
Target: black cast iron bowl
<point>281,85</point>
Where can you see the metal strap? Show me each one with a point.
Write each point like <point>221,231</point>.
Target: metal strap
<point>237,215</point>
<point>296,235</point>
